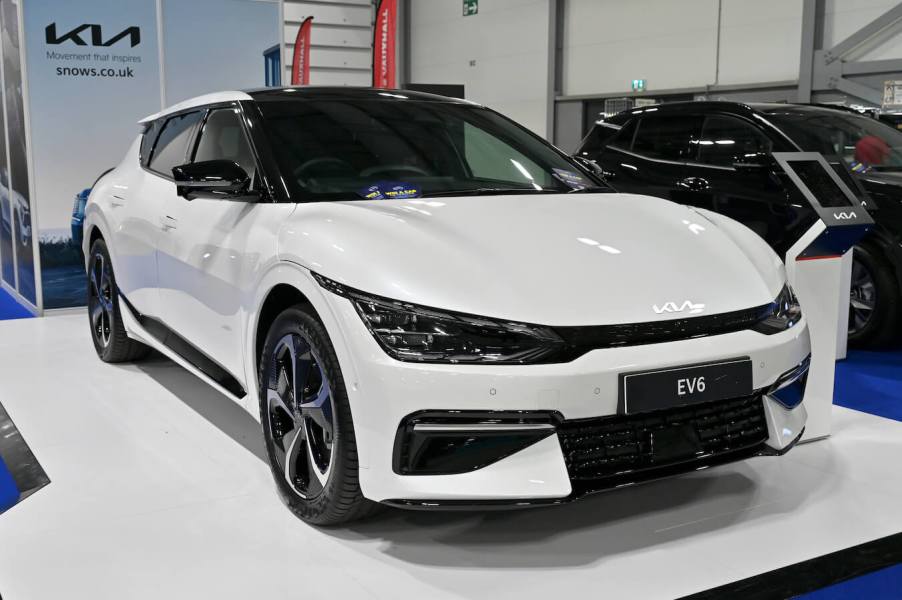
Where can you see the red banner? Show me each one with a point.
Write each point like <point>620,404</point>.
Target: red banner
<point>300,66</point>
<point>384,64</point>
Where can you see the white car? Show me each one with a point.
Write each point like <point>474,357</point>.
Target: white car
<point>14,209</point>
<point>427,306</point>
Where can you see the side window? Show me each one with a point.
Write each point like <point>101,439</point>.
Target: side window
<point>151,131</point>
<point>727,140</point>
<point>598,138</point>
<point>172,145</point>
<point>667,138</point>
<point>624,138</point>
<point>223,138</point>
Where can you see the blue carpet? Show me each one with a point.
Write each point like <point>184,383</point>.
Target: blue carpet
<point>9,493</point>
<point>10,308</point>
<point>885,584</point>
<point>870,382</point>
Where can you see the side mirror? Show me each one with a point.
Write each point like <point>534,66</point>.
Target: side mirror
<point>222,179</point>
<point>590,165</point>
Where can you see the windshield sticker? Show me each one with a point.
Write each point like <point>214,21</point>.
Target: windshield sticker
<point>571,179</point>
<point>390,190</point>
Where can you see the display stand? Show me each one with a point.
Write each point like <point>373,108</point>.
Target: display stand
<point>818,266</point>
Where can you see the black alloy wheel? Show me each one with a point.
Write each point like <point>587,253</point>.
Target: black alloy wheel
<point>863,297</point>
<point>107,331</point>
<point>301,415</point>
<point>307,425</point>
<point>873,299</point>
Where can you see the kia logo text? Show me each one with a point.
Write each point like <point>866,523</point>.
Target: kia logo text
<point>673,307</point>
<point>842,216</point>
<point>74,36</point>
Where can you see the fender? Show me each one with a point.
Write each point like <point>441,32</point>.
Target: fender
<point>299,277</point>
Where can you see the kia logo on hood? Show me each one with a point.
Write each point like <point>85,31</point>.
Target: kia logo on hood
<point>673,307</point>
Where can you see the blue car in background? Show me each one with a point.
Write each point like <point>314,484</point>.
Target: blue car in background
<point>78,216</point>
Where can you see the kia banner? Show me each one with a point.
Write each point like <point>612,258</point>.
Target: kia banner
<point>384,63</point>
<point>300,65</point>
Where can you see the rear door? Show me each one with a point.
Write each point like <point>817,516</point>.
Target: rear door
<point>732,174</point>
<point>137,209</point>
<point>649,153</point>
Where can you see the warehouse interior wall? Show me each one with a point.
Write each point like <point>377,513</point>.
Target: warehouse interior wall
<point>692,43</point>
<point>508,74</point>
<point>341,40</point>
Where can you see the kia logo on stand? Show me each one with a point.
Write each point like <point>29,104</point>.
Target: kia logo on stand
<point>843,216</point>
<point>74,35</point>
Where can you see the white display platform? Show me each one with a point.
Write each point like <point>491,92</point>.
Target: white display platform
<point>158,490</point>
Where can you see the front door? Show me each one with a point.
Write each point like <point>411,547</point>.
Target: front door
<point>213,250</point>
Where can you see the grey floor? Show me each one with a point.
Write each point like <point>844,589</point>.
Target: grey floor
<point>159,491</point>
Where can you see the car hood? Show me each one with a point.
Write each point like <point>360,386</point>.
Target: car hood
<point>561,259</point>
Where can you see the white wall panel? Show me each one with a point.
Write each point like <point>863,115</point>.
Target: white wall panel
<point>336,14</point>
<point>608,43</point>
<point>341,40</point>
<point>507,42</point>
<point>844,17</point>
<point>760,41</point>
<point>673,44</point>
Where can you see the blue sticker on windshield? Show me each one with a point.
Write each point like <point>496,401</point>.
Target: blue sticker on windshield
<point>571,179</point>
<point>390,190</point>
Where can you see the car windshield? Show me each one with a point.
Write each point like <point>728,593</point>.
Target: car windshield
<point>861,142</point>
<point>347,149</point>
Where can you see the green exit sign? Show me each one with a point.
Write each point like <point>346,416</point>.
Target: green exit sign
<point>471,7</point>
<point>638,85</point>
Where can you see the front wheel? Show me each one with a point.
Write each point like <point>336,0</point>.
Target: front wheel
<point>307,424</point>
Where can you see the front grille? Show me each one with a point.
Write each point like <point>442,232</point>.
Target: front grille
<point>582,339</point>
<point>607,451</point>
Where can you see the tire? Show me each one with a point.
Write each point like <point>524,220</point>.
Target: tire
<point>873,314</point>
<point>104,317</point>
<point>312,451</point>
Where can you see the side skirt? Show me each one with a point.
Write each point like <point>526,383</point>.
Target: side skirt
<point>185,350</point>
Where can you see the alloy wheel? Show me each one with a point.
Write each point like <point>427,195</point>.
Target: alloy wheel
<point>301,415</point>
<point>863,297</point>
<point>100,302</point>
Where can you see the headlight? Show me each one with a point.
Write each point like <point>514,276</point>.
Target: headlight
<point>784,312</point>
<point>413,333</point>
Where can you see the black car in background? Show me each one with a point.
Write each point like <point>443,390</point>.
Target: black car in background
<point>716,155</point>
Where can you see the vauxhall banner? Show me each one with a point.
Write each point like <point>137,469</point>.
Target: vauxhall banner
<point>300,66</point>
<point>384,57</point>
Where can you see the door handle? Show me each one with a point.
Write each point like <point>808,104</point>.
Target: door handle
<point>167,222</point>
<point>694,184</point>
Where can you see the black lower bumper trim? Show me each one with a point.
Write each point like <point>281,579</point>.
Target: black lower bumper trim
<point>581,489</point>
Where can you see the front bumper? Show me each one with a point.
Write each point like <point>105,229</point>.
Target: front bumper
<point>383,392</point>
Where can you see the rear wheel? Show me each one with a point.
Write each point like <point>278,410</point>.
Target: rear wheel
<point>107,331</point>
<point>307,424</point>
<point>874,296</point>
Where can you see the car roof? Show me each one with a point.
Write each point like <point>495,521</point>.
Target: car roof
<point>707,106</point>
<point>288,93</point>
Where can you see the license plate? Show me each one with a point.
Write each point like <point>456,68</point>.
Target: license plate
<point>656,390</point>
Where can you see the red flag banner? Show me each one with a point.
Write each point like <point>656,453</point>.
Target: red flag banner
<point>384,67</point>
<point>300,66</point>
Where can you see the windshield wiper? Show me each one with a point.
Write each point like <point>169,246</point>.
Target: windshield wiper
<point>489,192</point>
<point>591,189</point>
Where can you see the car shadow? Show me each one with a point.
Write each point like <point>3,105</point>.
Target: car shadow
<point>658,514</point>
<point>213,406</point>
